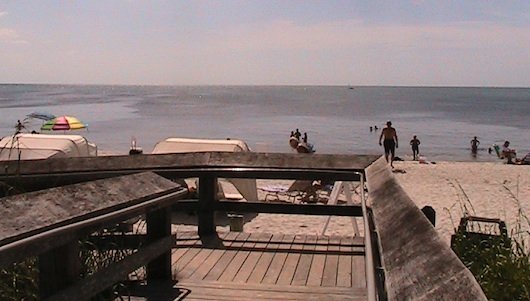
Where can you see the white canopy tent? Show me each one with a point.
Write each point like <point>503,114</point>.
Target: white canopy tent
<point>247,187</point>
<point>40,146</point>
<point>187,145</point>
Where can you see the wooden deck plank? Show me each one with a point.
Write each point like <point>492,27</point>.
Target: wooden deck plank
<point>207,290</point>
<point>263,266</point>
<point>317,265</point>
<point>181,263</point>
<point>304,264</point>
<point>227,257</point>
<point>194,263</point>
<point>252,259</point>
<point>329,278</point>
<point>289,267</point>
<point>358,272</point>
<point>214,256</point>
<point>181,249</point>
<point>231,291</point>
<point>231,271</point>
<point>272,274</point>
<point>265,260</point>
<point>344,272</point>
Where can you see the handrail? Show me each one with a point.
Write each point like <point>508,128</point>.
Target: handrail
<point>24,246</point>
<point>222,172</point>
<point>369,261</point>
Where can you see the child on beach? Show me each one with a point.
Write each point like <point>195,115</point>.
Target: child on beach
<point>508,152</point>
<point>415,144</point>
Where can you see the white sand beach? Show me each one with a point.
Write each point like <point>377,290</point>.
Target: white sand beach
<point>492,190</point>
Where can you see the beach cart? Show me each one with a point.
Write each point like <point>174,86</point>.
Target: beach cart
<point>476,237</point>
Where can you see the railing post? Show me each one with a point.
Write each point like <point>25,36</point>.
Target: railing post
<point>207,200</point>
<point>58,268</point>
<point>158,227</point>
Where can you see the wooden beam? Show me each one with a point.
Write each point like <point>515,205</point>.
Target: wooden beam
<point>308,209</point>
<point>42,220</point>
<point>39,174</point>
<point>187,160</point>
<point>206,205</point>
<point>58,269</point>
<point>103,279</point>
<point>158,227</point>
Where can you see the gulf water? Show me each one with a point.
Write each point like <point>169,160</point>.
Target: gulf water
<point>337,119</point>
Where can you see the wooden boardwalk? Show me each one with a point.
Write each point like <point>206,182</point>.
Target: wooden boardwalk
<point>259,266</point>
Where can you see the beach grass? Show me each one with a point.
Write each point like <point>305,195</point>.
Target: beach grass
<point>499,261</point>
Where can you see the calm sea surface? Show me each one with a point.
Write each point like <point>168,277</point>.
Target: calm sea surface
<point>336,118</point>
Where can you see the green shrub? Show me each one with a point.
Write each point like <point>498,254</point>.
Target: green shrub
<point>500,264</point>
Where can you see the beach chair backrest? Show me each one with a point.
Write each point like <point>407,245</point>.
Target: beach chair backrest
<point>497,149</point>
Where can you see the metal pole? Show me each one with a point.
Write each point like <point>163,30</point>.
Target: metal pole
<point>369,261</point>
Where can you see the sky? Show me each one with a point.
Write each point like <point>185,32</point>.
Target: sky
<point>266,42</point>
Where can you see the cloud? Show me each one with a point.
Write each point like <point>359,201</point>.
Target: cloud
<point>3,13</point>
<point>10,36</point>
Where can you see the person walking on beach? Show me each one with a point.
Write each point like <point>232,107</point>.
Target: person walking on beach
<point>390,142</point>
<point>415,144</point>
<point>474,144</point>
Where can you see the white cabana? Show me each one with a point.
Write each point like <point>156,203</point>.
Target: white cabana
<point>40,146</point>
<point>187,145</point>
<point>247,187</point>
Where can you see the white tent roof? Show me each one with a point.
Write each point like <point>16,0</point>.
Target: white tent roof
<point>247,187</point>
<point>39,146</point>
<point>187,145</point>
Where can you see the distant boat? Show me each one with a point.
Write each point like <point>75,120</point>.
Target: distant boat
<point>351,87</point>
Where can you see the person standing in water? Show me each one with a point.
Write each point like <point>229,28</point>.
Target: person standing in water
<point>297,134</point>
<point>415,144</point>
<point>474,144</point>
<point>390,142</point>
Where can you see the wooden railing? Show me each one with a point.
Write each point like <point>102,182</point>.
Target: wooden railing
<point>417,263</point>
<point>55,242</point>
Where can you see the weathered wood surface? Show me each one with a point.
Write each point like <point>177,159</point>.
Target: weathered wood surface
<point>40,211</point>
<point>189,290</point>
<point>118,271</point>
<point>187,160</point>
<point>282,208</point>
<point>418,264</point>
<point>261,266</point>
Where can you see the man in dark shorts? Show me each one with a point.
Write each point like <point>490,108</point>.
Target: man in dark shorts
<point>390,142</point>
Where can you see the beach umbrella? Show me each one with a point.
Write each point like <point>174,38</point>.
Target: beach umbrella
<point>63,123</point>
<point>41,115</point>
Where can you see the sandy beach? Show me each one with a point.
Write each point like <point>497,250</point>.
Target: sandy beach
<point>492,190</point>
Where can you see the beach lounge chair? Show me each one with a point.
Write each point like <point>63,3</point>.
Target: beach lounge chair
<point>298,189</point>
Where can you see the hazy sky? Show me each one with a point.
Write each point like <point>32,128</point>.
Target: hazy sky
<point>287,42</point>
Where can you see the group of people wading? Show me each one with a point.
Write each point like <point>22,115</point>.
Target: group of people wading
<point>389,140</point>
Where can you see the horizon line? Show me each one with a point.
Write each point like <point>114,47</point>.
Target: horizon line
<point>268,85</point>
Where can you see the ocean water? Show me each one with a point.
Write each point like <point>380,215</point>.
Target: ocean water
<point>336,118</point>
